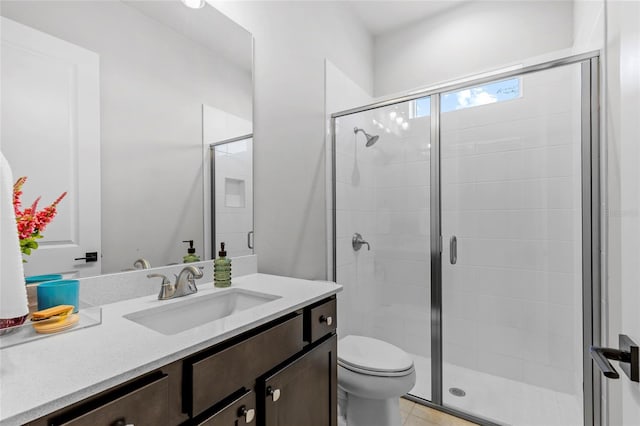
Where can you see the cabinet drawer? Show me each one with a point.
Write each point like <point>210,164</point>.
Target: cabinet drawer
<point>242,411</point>
<point>321,320</point>
<point>148,405</point>
<point>217,376</point>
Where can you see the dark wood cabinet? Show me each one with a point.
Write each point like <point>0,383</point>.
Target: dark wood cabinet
<point>283,373</point>
<point>304,391</point>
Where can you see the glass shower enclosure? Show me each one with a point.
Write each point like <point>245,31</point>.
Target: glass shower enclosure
<point>476,201</point>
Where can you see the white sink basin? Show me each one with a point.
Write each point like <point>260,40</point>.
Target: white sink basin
<point>192,311</point>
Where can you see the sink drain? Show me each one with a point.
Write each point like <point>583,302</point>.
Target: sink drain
<point>457,392</point>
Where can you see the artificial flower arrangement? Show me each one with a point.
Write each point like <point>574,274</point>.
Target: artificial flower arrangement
<point>31,222</point>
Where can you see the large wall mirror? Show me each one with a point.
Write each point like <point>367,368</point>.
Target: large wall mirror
<point>117,103</point>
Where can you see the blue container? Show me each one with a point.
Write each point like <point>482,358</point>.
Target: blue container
<point>35,279</point>
<point>61,292</point>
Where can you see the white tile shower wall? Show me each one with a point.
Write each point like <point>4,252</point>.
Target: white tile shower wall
<point>511,195</point>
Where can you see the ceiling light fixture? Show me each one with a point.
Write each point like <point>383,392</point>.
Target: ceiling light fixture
<point>194,4</point>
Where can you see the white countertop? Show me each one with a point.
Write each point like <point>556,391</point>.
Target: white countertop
<point>42,376</point>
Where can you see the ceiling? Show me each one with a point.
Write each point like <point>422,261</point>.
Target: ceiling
<point>380,16</point>
<point>207,26</point>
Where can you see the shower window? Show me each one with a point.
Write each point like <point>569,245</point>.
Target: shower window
<point>486,94</point>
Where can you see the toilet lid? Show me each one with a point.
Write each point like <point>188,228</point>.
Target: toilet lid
<point>365,353</point>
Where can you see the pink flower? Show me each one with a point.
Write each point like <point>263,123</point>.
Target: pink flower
<point>30,221</point>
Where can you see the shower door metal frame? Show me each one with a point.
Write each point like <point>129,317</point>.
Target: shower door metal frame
<point>591,230</point>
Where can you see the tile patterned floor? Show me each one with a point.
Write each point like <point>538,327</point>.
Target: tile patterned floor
<point>418,415</point>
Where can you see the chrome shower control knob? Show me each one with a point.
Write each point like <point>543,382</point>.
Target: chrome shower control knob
<point>248,414</point>
<point>273,393</point>
<point>328,320</point>
<point>357,242</point>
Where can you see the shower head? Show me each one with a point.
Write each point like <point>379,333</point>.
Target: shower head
<point>371,139</point>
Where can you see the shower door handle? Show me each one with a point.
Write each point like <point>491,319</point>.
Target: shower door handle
<point>453,250</point>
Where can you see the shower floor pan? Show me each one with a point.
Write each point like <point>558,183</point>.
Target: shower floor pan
<point>502,400</point>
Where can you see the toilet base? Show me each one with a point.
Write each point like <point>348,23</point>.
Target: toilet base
<point>372,412</point>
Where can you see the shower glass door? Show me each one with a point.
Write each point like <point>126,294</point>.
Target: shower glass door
<point>382,193</point>
<point>512,248</point>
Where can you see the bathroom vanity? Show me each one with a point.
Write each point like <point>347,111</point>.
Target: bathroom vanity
<point>271,364</point>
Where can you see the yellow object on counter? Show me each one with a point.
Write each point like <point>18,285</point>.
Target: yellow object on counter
<point>47,327</point>
<point>60,310</point>
<point>55,319</point>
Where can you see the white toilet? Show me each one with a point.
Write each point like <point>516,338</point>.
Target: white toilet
<point>372,376</point>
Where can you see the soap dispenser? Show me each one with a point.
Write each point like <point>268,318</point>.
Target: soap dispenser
<point>191,255</point>
<point>222,269</point>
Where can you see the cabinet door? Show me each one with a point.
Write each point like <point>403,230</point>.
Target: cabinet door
<point>305,391</point>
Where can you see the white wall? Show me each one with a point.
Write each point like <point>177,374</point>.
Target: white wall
<point>622,104</point>
<point>292,40</point>
<point>588,25</point>
<point>469,39</point>
<point>153,82</point>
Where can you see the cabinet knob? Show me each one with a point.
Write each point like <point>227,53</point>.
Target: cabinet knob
<point>248,414</point>
<point>121,422</point>
<point>274,393</point>
<point>328,320</point>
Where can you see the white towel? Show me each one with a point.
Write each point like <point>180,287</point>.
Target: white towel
<point>13,293</point>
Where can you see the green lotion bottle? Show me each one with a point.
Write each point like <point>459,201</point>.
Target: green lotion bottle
<point>222,269</point>
<point>191,255</point>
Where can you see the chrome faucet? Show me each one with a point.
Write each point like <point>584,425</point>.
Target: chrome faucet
<point>185,283</point>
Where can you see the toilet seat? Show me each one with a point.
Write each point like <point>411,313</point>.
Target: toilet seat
<point>373,357</point>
